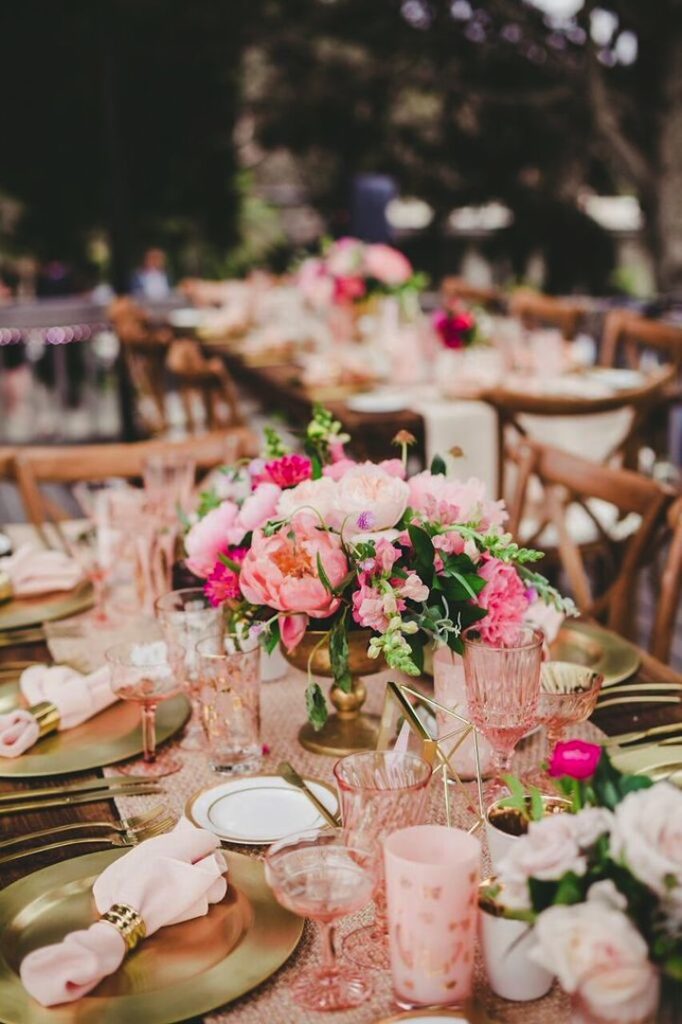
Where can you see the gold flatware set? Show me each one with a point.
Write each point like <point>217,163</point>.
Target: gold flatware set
<point>78,793</point>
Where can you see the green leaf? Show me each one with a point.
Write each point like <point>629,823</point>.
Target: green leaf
<point>423,548</point>
<point>272,637</point>
<point>316,705</point>
<point>417,642</point>
<point>570,889</point>
<point>338,656</point>
<point>229,562</point>
<point>542,893</point>
<point>537,805</point>
<point>324,579</point>
<point>438,467</point>
<point>208,500</point>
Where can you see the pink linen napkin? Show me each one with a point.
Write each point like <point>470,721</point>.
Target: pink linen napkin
<point>33,571</point>
<point>77,698</point>
<point>167,880</point>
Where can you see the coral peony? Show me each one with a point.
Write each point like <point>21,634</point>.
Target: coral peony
<point>504,598</point>
<point>291,630</point>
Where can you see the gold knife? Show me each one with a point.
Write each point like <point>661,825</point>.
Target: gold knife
<point>640,699</point>
<point>290,775</point>
<point>98,796</point>
<point>644,734</point>
<point>115,781</point>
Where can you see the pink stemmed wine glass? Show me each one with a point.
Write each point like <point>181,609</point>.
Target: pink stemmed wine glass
<point>568,695</point>
<point>380,791</point>
<point>503,689</point>
<point>325,875</point>
<point>147,673</point>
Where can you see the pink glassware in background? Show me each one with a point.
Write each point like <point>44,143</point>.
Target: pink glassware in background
<point>147,673</point>
<point>379,792</point>
<point>503,688</point>
<point>325,875</point>
<point>228,690</point>
<point>568,695</point>
<point>432,876</point>
<point>186,617</point>
<point>168,483</point>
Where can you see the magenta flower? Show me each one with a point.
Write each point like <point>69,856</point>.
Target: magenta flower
<point>454,329</point>
<point>288,470</point>
<point>222,583</point>
<point>575,758</point>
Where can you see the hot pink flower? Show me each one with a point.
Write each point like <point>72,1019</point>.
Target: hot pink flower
<point>214,533</point>
<point>288,470</point>
<point>575,758</point>
<point>387,265</point>
<point>455,329</point>
<point>348,289</point>
<point>455,501</point>
<point>504,597</point>
<point>281,571</point>
<point>291,629</point>
<point>223,583</point>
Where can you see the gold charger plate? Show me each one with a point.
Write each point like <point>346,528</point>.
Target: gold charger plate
<point>598,649</point>
<point>111,736</point>
<point>32,611</point>
<point>183,971</point>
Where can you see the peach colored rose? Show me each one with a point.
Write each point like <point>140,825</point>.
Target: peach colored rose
<point>368,491</point>
<point>387,264</point>
<point>281,571</point>
<point>218,530</point>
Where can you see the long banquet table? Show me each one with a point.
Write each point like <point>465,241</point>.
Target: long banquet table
<point>283,712</point>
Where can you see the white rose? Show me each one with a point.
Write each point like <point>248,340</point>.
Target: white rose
<point>589,824</point>
<point>319,495</point>
<point>606,892</point>
<point>647,836</point>
<point>547,851</point>
<point>597,953</point>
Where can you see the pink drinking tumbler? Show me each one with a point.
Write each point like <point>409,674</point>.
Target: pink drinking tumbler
<point>432,876</point>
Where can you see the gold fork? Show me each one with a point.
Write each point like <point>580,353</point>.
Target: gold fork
<point>110,839</point>
<point>134,823</point>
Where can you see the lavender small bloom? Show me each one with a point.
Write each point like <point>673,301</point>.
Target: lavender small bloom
<point>366,520</point>
<point>531,595</point>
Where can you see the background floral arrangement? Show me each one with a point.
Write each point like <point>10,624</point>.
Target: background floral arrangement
<point>316,539</point>
<point>603,886</point>
<point>350,271</point>
<point>456,326</point>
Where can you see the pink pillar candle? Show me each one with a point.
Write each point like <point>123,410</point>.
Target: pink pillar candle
<point>432,876</point>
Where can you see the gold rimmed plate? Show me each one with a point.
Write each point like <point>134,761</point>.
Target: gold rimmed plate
<point>20,612</point>
<point>597,649</point>
<point>182,971</point>
<point>257,810</point>
<point>113,735</point>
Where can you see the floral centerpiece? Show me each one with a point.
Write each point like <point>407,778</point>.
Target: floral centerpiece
<point>603,887</point>
<point>350,271</point>
<point>455,326</point>
<point>314,539</point>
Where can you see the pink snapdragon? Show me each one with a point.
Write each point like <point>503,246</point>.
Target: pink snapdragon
<point>455,501</point>
<point>413,589</point>
<point>373,608</point>
<point>503,597</point>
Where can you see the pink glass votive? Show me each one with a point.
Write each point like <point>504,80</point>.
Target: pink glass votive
<point>432,876</point>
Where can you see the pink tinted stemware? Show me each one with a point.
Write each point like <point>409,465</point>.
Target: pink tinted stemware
<point>568,695</point>
<point>380,791</point>
<point>324,875</point>
<point>503,688</point>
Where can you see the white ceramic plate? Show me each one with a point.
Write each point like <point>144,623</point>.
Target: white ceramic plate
<point>377,401</point>
<point>258,809</point>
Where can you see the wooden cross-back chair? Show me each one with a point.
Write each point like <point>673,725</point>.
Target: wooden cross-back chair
<point>567,480</point>
<point>534,310</point>
<point>69,465</point>
<point>670,588</point>
<point>454,288</point>
<point>627,336</point>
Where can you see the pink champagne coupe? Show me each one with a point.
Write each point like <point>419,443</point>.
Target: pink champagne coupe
<point>568,696</point>
<point>380,791</point>
<point>503,689</point>
<point>324,875</point>
<point>148,673</point>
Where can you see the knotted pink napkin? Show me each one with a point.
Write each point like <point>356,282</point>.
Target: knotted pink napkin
<point>167,880</point>
<point>76,697</point>
<point>33,571</point>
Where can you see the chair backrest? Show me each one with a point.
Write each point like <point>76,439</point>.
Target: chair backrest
<point>537,310</point>
<point>630,335</point>
<point>453,288</point>
<point>34,467</point>
<point>670,588</point>
<point>567,480</point>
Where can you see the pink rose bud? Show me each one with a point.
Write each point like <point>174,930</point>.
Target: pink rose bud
<point>575,758</point>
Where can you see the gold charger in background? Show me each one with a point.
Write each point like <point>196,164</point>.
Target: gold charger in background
<point>182,971</point>
<point>113,735</point>
<point>601,650</point>
<point>33,611</point>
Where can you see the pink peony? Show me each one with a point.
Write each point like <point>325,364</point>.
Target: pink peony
<point>339,468</point>
<point>575,758</point>
<point>281,571</point>
<point>259,507</point>
<point>318,495</point>
<point>288,470</point>
<point>455,501</point>
<point>219,529</point>
<point>504,598</point>
<point>291,630</point>
<point>367,488</point>
<point>223,582</point>
<point>394,467</point>
<point>387,265</point>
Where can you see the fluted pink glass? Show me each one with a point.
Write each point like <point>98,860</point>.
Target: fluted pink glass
<point>324,875</point>
<point>503,689</point>
<point>379,792</point>
<point>568,695</point>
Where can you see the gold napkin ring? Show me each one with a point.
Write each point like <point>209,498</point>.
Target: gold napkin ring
<point>47,717</point>
<point>127,922</point>
<point>5,587</point>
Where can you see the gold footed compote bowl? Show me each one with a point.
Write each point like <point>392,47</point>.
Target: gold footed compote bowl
<point>349,729</point>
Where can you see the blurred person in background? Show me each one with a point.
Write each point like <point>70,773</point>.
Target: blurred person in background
<point>150,281</point>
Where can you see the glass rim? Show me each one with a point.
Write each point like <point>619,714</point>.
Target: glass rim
<point>363,842</point>
<point>171,458</point>
<point>116,654</point>
<point>199,591</point>
<point>538,639</point>
<point>343,783</point>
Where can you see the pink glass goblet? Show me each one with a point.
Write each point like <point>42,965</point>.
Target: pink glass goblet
<point>568,695</point>
<point>503,689</point>
<point>147,673</point>
<point>168,483</point>
<point>380,791</point>
<point>325,875</point>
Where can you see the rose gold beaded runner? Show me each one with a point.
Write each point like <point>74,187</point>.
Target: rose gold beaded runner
<point>283,712</point>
